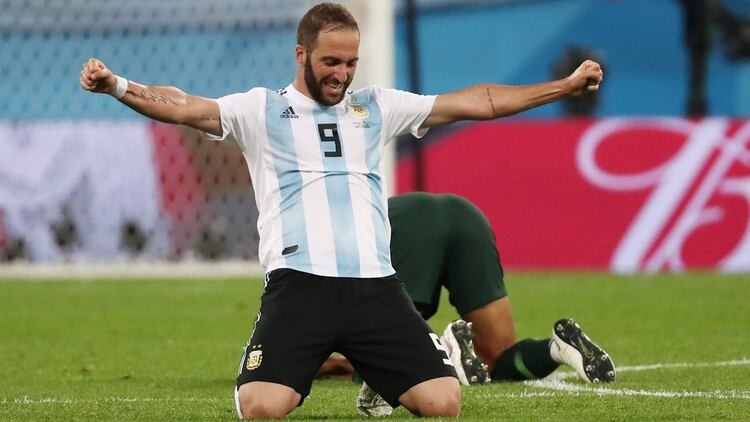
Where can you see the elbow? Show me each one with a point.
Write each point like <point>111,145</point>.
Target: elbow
<point>180,110</point>
<point>486,113</point>
<point>183,115</point>
<point>490,112</point>
<point>505,113</point>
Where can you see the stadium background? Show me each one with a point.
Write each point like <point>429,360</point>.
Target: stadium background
<point>84,179</point>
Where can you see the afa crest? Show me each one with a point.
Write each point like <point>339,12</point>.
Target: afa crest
<point>254,359</point>
<point>359,111</point>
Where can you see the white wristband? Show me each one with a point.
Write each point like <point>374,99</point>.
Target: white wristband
<point>121,89</point>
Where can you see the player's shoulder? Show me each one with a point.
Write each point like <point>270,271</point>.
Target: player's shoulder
<point>252,91</point>
<point>257,92</point>
<point>251,95</point>
<point>392,95</point>
<point>378,92</point>
<point>362,95</point>
<point>383,98</point>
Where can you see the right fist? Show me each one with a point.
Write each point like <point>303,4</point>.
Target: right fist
<point>95,77</point>
<point>586,78</point>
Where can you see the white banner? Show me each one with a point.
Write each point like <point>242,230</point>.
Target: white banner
<point>97,176</point>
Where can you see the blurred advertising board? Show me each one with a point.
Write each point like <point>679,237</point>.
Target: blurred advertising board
<point>629,195</point>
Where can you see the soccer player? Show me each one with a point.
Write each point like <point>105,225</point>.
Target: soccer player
<point>444,240</point>
<point>314,154</point>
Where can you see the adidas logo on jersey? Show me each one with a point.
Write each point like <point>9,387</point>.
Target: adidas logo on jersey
<point>289,114</point>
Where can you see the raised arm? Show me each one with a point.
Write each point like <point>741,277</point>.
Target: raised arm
<point>163,103</point>
<point>490,101</point>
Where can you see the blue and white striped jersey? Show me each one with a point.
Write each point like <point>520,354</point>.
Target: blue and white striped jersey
<point>318,174</point>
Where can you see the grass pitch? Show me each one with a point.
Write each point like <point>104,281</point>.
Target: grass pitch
<point>164,349</point>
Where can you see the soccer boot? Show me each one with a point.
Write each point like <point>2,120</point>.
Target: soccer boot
<point>458,340</point>
<point>369,403</point>
<point>570,345</point>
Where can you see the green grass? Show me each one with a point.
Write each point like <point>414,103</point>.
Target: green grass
<point>159,349</point>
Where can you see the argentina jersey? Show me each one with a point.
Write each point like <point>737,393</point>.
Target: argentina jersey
<point>318,175</point>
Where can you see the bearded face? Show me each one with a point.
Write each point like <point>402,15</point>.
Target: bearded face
<point>326,90</point>
<point>327,67</point>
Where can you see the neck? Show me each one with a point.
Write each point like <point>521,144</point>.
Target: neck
<point>300,85</point>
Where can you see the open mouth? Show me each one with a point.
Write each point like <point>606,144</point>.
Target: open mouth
<point>334,85</point>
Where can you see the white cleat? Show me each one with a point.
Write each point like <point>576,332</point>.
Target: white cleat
<point>458,340</point>
<point>570,345</point>
<point>369,403</point>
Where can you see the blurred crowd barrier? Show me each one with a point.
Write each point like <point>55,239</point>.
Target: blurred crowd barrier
<point>85,179</point>
<point>625,194</point>
<point>88,191</point>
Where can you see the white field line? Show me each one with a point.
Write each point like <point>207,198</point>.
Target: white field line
<point>601,391</point>
<point>53,400</point>
<point>557,382</point>
<point>738,362</point>
<point>553,382</point>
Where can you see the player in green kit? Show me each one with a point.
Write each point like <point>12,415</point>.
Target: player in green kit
<point>444,240</point>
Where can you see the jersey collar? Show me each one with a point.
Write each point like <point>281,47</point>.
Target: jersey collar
<point>300,97</point>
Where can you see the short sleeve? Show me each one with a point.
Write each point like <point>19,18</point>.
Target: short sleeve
<point>403,112</point>
<point>240,116</point>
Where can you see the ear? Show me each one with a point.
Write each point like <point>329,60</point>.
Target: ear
<point>300,54</point>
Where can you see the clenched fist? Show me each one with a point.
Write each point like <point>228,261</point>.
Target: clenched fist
<point>95,77</point>
<point>586,78</point>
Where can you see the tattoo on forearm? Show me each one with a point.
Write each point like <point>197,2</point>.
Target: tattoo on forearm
<point>489,98</point>
<point>153,97</point>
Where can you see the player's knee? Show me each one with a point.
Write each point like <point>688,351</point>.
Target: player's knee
<point>451,404</point>
<point>256,409</point>
<point>264,406</point>
<point>447,405</point>
<point>434,398</point>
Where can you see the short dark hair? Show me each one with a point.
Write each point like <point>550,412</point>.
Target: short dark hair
<point>324,16</point>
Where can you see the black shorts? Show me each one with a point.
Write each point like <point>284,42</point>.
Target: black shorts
<point>303,318</point>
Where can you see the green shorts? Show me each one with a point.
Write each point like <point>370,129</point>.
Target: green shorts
<point>444,240</point>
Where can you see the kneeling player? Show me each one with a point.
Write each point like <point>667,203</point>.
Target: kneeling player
<point>444,240</point>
